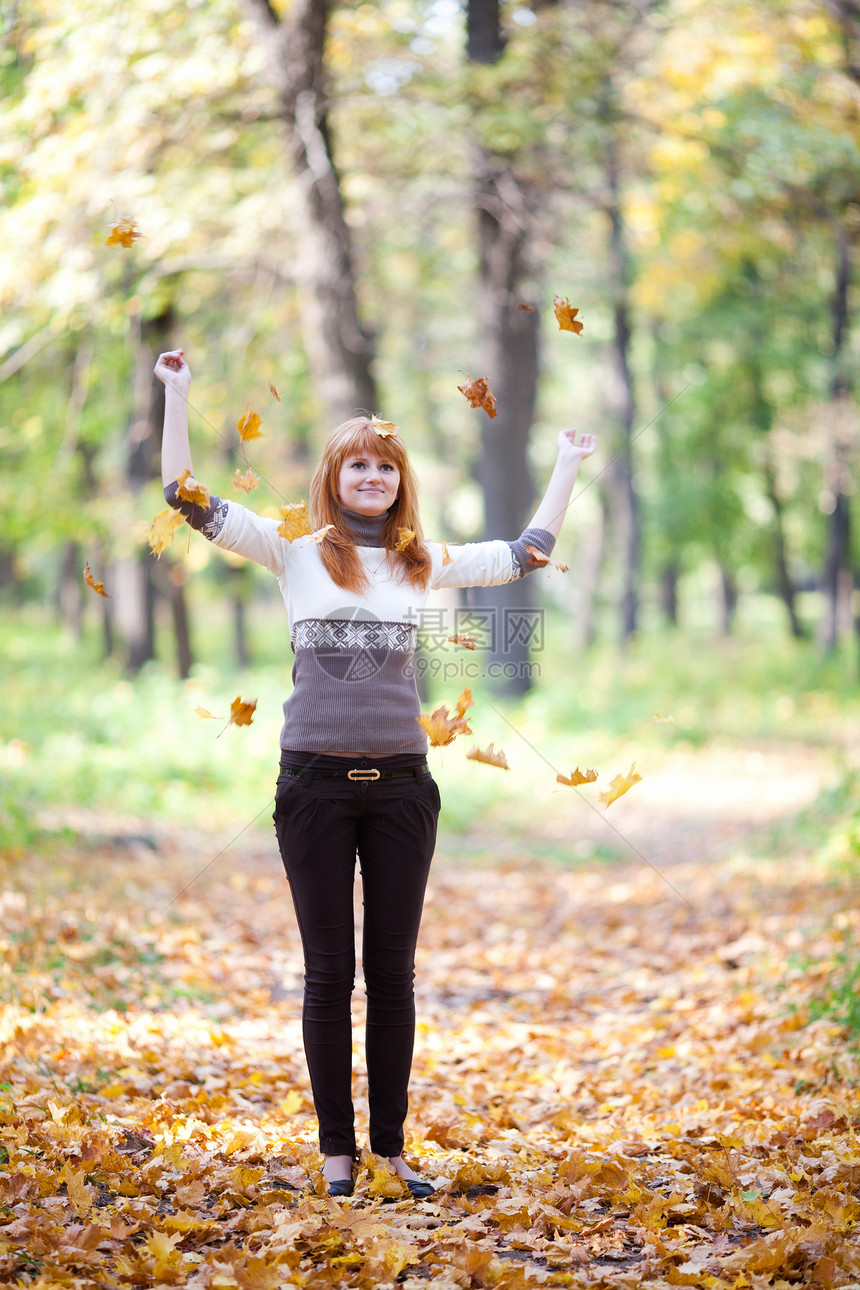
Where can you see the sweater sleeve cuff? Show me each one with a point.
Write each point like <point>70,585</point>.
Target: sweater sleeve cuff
<point>208,520</point>
<point>539,538</point>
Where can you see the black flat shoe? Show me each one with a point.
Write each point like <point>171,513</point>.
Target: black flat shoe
<point>341,1187</point>
<point>419,1190</point>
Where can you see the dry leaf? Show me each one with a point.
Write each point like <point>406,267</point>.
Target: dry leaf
<point>274,393</point>
<point>241,713</point>
<point>479,395</point>
<point>669,721</point>
<point>577,777</point>
<point>543,560</point>
<point>406,536</point>
<point>489,756</point>
<point>296,522</point>
<point>447,558</point>
<point>122,233</point>
<point>527,309</point>
<point>384,428</point>
<point>162,530</point>
<point>245,482</point>
<point>442,729</point>
<point>204,712</point>
<point>91,582</point>
<point>191,491</point>
<point>319,534</point>
<point>467,642</point>
<point>249,424</point>
<point>619,786</point>
<point>566,315</point>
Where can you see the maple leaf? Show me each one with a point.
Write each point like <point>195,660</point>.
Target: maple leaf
<point>441,728</point>
<point>249,424</point>
<point>274,393</point>
<point>479,394</point>
<point>241,713</point>
<point>296,522</point>
<point>123,233</point>
<point>489,756</point>
<point>245,482</point>
<point>162,530</point>
<point>467,642</point>
<point>406,536</point>
<point>576,778</point>
<point>386,1185</point>
<point>384,428</point>
<point>669,721</point>
<point>447,558</point>
<point>543,560</point>
<point>191,491</point>
<point>566,315</point>
<point>619,786</point>
<point>91,582</point>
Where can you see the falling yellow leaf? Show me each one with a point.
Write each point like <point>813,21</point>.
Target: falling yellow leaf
<point>467,642</point>
<point>241,713</point>
<point>91,582</point>
<point>274,393</point>
<point>191,491</point>
<point>543,560</point>
<point>619,786</point>
<point>123,233</point>
<point>249,424</point>
<point>442,728</point>
<point>566,315</point>
<point>489,756</point>
<point>479,394</point>
<point>204,712</point>
<point>406,536</point>
<point>245,482</point>
<point>577,777</point>
<point>296,522</point>
<point>163,528</point>
<point>384,428</point>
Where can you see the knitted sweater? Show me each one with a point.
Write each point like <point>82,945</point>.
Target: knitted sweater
<point>353,683</point>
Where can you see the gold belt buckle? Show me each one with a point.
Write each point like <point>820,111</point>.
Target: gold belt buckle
<point>372,773</point>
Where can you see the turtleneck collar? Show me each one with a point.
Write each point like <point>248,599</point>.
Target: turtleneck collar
<point>365,530</point>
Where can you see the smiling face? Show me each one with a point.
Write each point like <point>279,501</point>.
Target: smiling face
<point>367,484</point>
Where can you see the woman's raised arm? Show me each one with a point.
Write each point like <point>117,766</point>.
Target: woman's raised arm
<point>554,503</point>
<point>175,374</point>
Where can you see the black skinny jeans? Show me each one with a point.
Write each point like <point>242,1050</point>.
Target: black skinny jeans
<point>391,824</point>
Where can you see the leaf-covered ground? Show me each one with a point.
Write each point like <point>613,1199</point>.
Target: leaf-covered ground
<point>616,1079</point>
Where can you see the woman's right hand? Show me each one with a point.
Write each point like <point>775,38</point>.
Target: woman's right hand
<point>173,371</point>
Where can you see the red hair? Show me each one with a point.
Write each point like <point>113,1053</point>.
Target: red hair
<point>358,437</point>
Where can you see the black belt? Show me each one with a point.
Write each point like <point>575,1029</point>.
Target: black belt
<point>359,773</point>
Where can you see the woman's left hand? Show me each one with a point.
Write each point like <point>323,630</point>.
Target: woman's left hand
<point>570,450</point>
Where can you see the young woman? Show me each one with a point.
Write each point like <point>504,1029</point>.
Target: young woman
<point>353,772</point>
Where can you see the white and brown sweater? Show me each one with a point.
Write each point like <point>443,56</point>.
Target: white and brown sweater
<point>353,684</point>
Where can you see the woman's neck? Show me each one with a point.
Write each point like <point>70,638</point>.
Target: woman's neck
<point>365,530</point>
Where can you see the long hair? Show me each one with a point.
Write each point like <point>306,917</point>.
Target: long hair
<point>357,437</point>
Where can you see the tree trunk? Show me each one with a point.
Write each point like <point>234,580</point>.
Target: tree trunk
<point>340,350</point>
<point>70,595</point>
<point>728,600</point>
<point>623,400</point>
<point>135,576</point>
<point>837,578</point>
<point>784,584</point>
<point>505,224</point>
<point>669,593</point>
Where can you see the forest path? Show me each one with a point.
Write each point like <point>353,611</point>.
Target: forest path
<point>614,1082</point>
